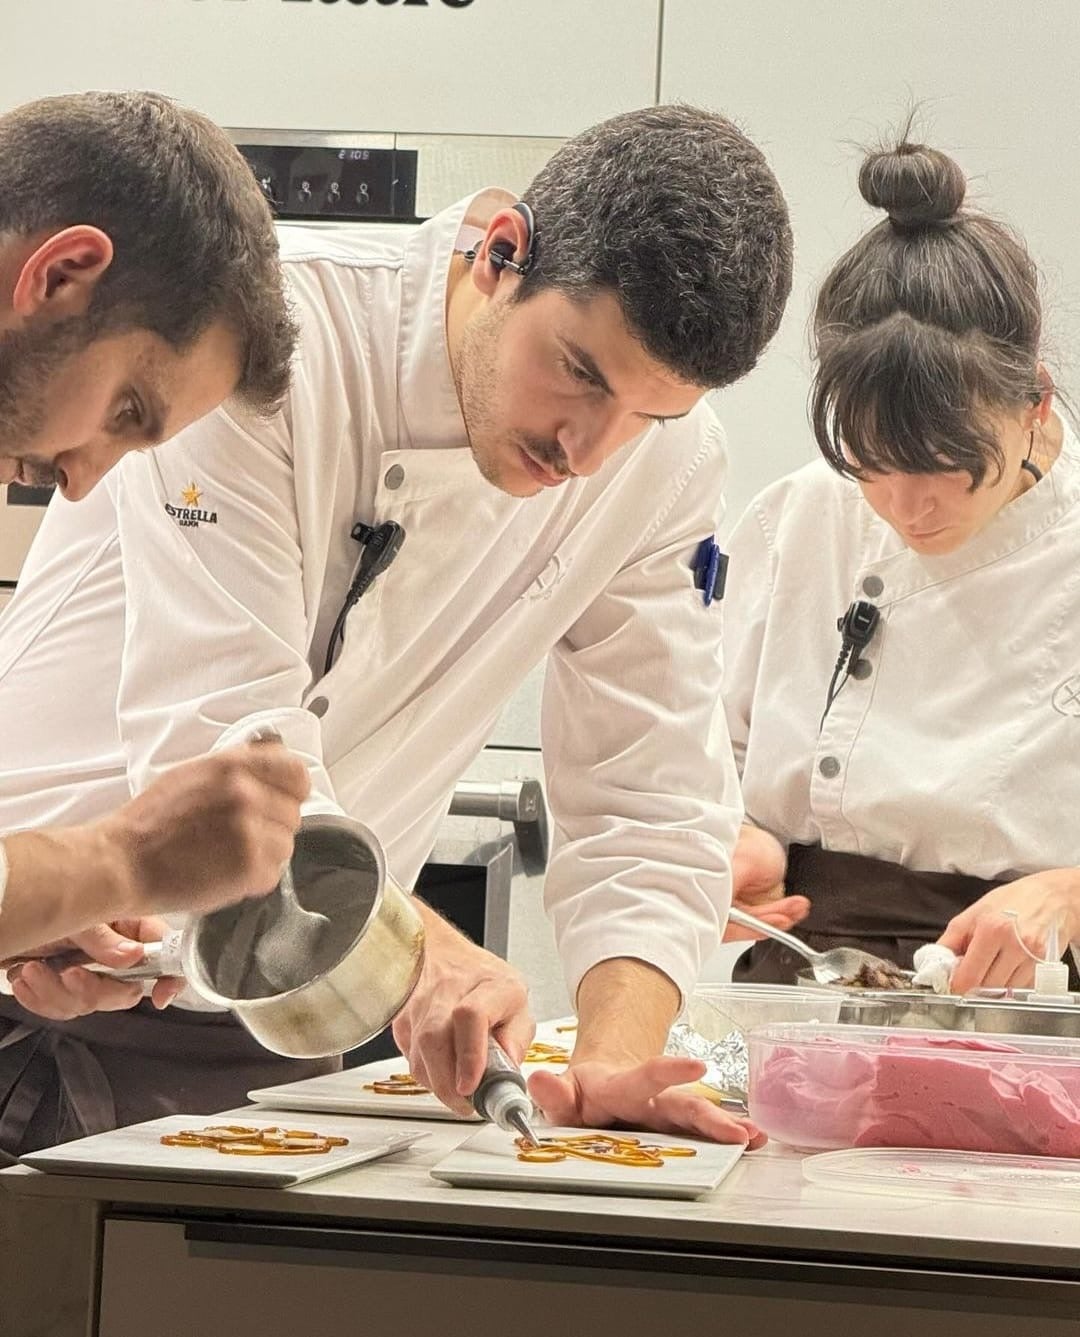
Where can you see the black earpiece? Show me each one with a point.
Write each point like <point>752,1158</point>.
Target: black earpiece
<point>501,254</point>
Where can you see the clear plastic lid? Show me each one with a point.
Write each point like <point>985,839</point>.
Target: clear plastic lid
<point>963,1176</point>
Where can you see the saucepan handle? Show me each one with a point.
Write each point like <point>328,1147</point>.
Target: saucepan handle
<point>159,960</point>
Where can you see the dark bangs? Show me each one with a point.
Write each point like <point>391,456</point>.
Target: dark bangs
<point>904,396</point>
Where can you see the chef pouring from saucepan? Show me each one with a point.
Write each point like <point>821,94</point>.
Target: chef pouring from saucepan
<point>520,387</point>
<point>918,765</point>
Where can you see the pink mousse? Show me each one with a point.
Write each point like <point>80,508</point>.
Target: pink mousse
<point>917,1090</point>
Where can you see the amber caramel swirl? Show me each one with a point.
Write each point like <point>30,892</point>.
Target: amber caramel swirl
<point>238,1140</point>
<point>398,1084</point>
<point>603,1147</point>
<point>405,1084</point>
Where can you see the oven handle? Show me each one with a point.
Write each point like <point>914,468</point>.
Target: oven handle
<point>517,801</point>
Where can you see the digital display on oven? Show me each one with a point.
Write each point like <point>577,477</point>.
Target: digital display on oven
<point>19,495</point>
<point>348,184</point>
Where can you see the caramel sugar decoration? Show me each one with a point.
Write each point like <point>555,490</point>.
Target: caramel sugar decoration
<point>598,1147</point>
<point>239,1140</point>
<point>398,1084</point>
<point>405,1084</point>
<point>539,1052</point>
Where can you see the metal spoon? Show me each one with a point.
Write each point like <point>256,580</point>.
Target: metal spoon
<point>838,963</point>
<point>288,933</point>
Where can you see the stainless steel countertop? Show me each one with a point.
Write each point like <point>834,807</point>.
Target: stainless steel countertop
<point>764,1204</point>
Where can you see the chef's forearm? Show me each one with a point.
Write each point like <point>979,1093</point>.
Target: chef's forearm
<point>60,882</point>
<point>625,1010</point>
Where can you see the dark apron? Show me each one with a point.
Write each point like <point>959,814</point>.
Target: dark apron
<point>61,1080</point>
<point>856,901</point>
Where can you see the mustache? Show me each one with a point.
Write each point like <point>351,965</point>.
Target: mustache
<point>38,473</point>
<point>548,453</point>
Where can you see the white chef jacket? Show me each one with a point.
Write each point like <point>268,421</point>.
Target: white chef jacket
<point>958,752</point>
<point>236,555</point>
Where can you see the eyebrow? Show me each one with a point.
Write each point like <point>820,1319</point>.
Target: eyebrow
<point>588,363</point>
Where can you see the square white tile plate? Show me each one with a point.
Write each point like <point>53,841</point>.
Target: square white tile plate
<point>489,1160</point>
<point>343,1092</point>
<point>137,1153</point>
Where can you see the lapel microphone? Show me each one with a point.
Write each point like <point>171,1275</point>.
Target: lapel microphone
<point>379,546</point>
<point>856,627</point>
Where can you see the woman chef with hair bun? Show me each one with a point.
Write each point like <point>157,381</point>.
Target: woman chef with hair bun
<point>920,763</point>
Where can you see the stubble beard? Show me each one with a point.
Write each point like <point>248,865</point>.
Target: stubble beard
<point>477,377</point>
<point>29,359</point>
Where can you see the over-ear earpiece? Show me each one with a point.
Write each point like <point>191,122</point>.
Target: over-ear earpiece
<point>501,254</point>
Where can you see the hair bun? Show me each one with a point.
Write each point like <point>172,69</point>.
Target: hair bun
<point>916,185</point>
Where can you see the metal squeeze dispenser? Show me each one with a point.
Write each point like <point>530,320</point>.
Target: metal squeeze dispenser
<point>501,1097</point>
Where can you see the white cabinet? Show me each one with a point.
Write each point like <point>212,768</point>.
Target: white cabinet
<point>281,1279</point>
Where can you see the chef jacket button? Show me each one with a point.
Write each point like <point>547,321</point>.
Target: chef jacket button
<point>872,586</point>
<point>829,767</point>
<point>394,477</point>
<point>862,668</point>
<point>318,705</point>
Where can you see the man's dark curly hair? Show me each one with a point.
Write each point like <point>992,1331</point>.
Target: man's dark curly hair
<point>193,238</point>
<point>674,211</point>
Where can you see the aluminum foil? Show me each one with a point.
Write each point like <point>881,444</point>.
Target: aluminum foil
<point>727,1059</point>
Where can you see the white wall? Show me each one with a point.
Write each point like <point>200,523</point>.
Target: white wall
<point>516,67</point>
<point>811,80</point>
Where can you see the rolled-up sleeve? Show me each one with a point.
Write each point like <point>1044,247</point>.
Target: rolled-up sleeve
<point>641,781</point>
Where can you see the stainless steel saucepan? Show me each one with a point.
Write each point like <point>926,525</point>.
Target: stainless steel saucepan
<point>330,994</point>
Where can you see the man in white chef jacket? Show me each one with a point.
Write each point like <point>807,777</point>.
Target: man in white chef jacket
<point>520,389</point>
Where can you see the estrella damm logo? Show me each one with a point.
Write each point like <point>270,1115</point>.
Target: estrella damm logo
<point>191,515</point>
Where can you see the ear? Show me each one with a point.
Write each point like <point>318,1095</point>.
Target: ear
<point>57,280</point>
<point>509,232</point>
<point>1041,410</point>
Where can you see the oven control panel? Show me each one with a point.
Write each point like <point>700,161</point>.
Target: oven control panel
<point>349,183</point>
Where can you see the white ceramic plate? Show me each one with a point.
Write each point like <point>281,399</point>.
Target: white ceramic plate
<point>137,1153</point>
<point>343,1092</point>
<point>489,1160</point>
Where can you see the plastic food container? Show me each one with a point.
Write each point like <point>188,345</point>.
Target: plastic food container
<point>822,1088</point>
<point>715,1010</point>
<point>958,1176</point>
<point>988,1011</point>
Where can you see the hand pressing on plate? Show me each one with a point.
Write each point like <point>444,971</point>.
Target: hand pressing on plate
<point>618,1074</point>
<point>650,1095</point>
